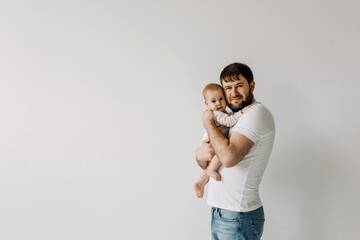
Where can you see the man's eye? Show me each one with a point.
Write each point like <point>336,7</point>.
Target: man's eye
<point>221,99</point>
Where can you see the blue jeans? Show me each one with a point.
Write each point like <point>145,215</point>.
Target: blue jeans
<point>230,225</point>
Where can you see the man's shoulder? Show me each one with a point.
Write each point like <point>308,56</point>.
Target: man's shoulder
<point>257,114</point>
<point>258,108</point>
<point>255,123</point>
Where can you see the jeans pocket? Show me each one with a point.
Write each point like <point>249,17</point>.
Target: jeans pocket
<point>229,216</point>
<point>257,228</point>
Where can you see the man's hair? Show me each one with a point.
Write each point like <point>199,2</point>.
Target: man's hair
<point>211,87</point>
<point>232,72</point>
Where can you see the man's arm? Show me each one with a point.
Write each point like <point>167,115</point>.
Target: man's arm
<point>229,151</point>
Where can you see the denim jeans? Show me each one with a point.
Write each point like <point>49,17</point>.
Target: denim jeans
<point>230,225</point>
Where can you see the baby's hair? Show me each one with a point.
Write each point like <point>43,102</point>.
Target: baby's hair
<point>211,87</point>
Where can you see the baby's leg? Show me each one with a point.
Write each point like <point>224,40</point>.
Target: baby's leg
<point>212,169</point>
<point>200,184</point>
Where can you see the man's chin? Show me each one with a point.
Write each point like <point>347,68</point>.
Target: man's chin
<point>236,107</point>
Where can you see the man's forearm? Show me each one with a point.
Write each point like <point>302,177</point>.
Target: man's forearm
<point>229,151</point>
<point>219,142</point>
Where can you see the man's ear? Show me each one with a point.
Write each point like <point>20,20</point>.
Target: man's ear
<point>252,86</point>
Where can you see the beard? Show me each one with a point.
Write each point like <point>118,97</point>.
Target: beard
<point>248,100</point>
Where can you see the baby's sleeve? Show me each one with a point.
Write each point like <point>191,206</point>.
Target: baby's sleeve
<point>226,119</point>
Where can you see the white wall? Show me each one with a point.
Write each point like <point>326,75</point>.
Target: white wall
<point>100,105</point>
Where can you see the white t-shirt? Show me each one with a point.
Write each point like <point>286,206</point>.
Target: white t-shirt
<point>238,189</point>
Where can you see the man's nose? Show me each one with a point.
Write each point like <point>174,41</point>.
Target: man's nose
<point>233,91</point>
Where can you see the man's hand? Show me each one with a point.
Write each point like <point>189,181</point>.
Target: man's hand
<point>204,154</point>
<point>245,108</point>
<point>208,118</point>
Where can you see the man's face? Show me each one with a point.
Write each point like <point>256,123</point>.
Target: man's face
<point>238,94</point>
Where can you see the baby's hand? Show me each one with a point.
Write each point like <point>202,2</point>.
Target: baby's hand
<point>245,108</point>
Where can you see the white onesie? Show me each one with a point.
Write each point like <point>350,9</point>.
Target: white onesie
<point>224,121</point>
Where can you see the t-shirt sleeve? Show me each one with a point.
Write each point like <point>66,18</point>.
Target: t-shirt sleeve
<point>251,124</point>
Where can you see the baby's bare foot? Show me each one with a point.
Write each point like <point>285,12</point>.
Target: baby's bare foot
<point>214,174</point>
<point>199,189</point>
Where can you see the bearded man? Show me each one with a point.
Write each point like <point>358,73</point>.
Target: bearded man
<point>237,211</point>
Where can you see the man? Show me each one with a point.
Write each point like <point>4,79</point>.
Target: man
<point>237,211</point>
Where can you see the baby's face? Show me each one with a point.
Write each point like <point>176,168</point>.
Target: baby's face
<point>215,100</point>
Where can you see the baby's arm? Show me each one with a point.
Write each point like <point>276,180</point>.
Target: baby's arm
<point>229,120</point>
<point>226,119</point>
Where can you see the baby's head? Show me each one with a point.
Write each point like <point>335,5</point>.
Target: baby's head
<point>214,97</point>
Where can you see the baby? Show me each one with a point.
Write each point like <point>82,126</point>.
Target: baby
<point>215,101</point>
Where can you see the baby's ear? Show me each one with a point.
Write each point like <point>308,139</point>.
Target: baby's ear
<point>206,103</point>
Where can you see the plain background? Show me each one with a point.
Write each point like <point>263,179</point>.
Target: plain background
<point>100,115</point>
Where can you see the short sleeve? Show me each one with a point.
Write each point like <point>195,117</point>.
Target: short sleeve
<point>255,123</point>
